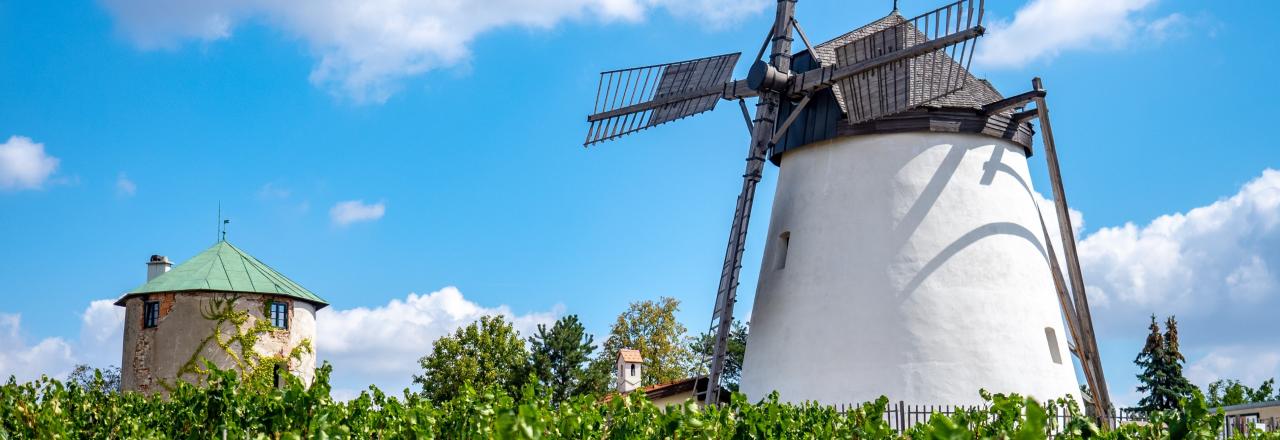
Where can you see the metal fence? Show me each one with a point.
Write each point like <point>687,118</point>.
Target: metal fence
<point>1246,424</point>
<point>902,416</point>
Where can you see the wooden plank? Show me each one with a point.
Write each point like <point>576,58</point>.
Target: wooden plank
<point>1013,101</point>
<point>1088,347</point>
<point>808,82</point>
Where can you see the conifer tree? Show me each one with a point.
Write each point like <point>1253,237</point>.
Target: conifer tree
<point>1178,383</point>
<point>1161,364</point>
<point>559,356</point>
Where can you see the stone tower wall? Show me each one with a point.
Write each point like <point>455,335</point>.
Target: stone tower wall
<point>193,327</point>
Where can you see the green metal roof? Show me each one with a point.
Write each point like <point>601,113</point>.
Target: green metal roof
<point>225,268</point>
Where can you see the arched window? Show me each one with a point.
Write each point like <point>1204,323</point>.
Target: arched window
<point>1052,337</point>
<point>784,243</point>
<point>633,369</point>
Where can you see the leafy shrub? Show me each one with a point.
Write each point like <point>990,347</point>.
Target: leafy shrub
<point>48,408</point>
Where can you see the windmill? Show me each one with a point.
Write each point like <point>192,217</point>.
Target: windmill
<point>900,85</point>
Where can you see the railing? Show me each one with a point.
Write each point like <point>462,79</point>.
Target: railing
<point>1246,424</point>
<point>902,416</point>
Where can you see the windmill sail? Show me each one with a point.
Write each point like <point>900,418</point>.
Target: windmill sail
<point>909,82</point>
<point>630,100</point>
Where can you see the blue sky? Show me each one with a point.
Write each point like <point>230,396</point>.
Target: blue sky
<point>373,152</point>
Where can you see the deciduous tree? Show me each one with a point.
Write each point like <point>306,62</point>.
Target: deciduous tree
<point>703,346</point>
<point>87,377</point>
<point>488,351</point>
<point>652,328</point>
<point>1226,392</point>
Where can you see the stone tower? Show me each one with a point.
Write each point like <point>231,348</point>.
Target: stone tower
<point>222,306</point>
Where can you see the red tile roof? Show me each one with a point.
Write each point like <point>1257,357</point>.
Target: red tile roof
<point>629,355</point>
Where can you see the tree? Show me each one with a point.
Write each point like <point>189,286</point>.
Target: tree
<point>652,328</point>
<point>1161,364</point>
<point>88,378</point>
<point>559,357</point>
<point>703,346</point>
<point>486,352</point>
<point>1226,392</point>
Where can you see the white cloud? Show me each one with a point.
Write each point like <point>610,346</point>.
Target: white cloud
<point>1042,29</point>
<point>271,191</point>
<point>1250,365</point>
<point>1211,259</point>
<point>381,345</point>
<point>24,164</point>
<point>352,211</point>
<point>1215,267</point>
<point>366,48</point>
<point>124,186</point>
<point>1170,26</point>
<point>101,333</point>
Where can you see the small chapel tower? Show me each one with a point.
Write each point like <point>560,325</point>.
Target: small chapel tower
<point>629,369</point>
<point>223,306</point>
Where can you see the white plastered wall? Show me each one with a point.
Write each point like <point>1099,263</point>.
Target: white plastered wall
<point>914,268</point>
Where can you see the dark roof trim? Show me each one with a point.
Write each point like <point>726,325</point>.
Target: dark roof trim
<point>1273,403</point>
<point>937,120</point>
<point>123,299</point>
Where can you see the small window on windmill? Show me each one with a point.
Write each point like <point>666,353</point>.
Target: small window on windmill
<point>784,245</point>
<point>150,313</point>
<point>1052,337</point>
<point>279,315</point>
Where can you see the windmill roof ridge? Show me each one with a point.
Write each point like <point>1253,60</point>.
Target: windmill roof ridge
<point>974,94</point>
<point>225,268</point>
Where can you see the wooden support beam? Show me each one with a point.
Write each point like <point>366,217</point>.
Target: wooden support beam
<point>1090,360</point>
<point>1022,117</point>
<point>791,118</point>
<point>1018,100</point>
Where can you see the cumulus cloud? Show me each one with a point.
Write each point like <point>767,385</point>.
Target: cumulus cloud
<point>365,48</point>
<point>24,164</point>
<point>1042,29</point>
<point>124,186</point>
<point>381,345</point>
<point>1215,267</point>
<point>1208,260</point>
<point>101,333</point>
<point>353,211</point>
<point>1250,365</point>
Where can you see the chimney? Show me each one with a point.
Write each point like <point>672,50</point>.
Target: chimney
<point>630,367</point>
<point>158,265</point>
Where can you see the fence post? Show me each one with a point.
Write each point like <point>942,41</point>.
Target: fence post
<point>902,416</point>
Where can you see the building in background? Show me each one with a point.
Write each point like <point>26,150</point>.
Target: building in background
<point>1252,417</point>
<point>223,307</point>
<point>630,371</point>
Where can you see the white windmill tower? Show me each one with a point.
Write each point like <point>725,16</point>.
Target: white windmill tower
<point>906,254</point>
